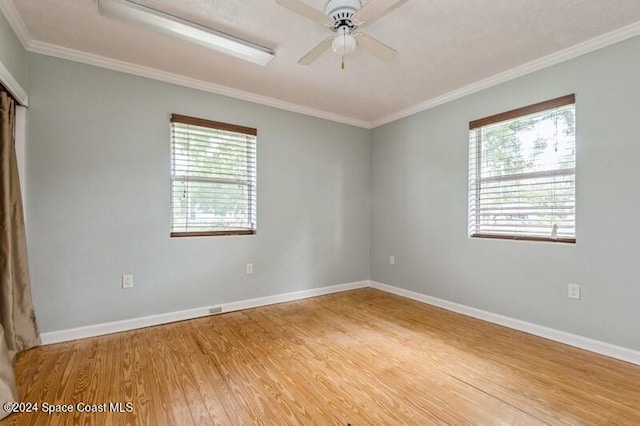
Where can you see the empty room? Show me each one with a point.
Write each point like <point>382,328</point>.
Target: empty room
<point>340,212</point>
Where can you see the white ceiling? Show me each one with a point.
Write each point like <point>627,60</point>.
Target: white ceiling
<point>443,45</point>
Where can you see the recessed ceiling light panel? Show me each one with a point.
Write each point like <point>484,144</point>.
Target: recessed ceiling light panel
<point>207,37</point>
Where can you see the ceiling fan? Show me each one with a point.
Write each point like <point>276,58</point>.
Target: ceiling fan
<point>344,17</point>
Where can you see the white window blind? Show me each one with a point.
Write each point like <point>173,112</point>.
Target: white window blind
<point>522,173</point>
<point>213,178</point>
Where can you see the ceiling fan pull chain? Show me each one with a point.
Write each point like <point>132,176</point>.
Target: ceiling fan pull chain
<point>344,46</point>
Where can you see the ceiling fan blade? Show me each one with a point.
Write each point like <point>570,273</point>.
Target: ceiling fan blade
<point>316,52</point>
<point>375,9</point>
<point>375,47</point>
<point>302,8</point>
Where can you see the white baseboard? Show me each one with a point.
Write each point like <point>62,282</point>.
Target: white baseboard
<point>122,325</point>
<point>151,320</point>
<point>607,349</point>
<point>602,348</point>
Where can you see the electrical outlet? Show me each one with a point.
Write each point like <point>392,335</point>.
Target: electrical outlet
<point>392,260</point>
<point>127,281</point>
<point>574,291</point>
<point>249,268</point>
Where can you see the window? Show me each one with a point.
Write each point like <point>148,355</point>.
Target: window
<point>213,178</point>
<point>522,173</point>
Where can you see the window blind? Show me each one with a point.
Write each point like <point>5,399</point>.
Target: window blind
<point>213,178</point>
<point>522,173</point>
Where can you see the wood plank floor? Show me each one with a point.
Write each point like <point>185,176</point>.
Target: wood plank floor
<point>361,357</point>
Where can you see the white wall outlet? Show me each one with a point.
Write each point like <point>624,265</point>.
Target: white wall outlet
<point>574,291</point>
<point>127,281</point>
<point>392,260</point>
<point>249,268</point>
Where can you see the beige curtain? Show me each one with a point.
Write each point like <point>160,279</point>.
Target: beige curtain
<point>18,329</point>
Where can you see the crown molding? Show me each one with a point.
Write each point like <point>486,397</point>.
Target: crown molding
<point>15,21</point>
<point>167,77</point>
<point>560,56</point>
<point>8,9</point>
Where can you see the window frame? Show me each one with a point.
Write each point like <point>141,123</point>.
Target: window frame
<point>251,193</point>
<point>502,117</point>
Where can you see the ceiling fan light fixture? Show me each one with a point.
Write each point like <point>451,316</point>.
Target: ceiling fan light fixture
<point>345,18</point>
<point>344,43</point>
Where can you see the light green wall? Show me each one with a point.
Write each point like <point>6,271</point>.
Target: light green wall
<point>98,197</point>
<point>419,205</point>
<point>12,54</point>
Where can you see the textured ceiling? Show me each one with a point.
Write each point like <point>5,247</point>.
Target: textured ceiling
<point>443,45</point>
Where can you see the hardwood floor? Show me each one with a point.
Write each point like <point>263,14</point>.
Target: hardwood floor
<point>361,357</point>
